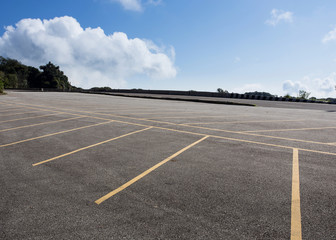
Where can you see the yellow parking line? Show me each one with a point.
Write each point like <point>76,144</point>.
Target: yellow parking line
<point>52,134</point>
<point>17,119</point>
<point>8,110</point>
<point>5,103</point>
<point>287,130</point>
<point>93,145</point>
<point>128,110</point>
<point>37,124</point>
<point>266,121</point>
<point>188,117</point>
<point>295,206</point>
<point>197,127</point>
<point>129,183</point>
<point>159,113</point>
<point>247,141</point>
<point>20,113</point>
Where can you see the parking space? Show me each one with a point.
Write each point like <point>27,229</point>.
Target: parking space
<point>91,166</point>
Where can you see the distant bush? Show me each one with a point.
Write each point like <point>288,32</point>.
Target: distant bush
<point>303,94</point>
<point>2,78</point>
<point>220,90</point>
<point>288,96</point>
<point>1,86</point>
<point>101,89</point>
<point>262,94</point>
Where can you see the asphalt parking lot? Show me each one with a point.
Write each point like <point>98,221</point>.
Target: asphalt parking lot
<point>80,166</point>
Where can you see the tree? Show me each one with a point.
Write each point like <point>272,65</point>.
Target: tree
<point>303,94</point>
<point>2,78</point>
<point>220,90</point>
<point>262,94</point>
<point>53,77</point>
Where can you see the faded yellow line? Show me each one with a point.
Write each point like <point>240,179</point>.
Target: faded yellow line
<point>295,207</point>
<point>5,103</point>
<point>128,110</point>
<point>287,130</point>
<point>93,145</point>
<point>158,113</point>
<point>266,121</point>
<point>129,183</point>
<point>17,119</point>
<point>8,110</point>
<point>20,113</point>
<point>247,141</point>
<point>52,134</point>
<point>192,117</point>
<point>197,127</point>
<point>37,124</point>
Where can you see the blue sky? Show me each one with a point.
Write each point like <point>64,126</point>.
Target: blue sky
<point>278,46</point>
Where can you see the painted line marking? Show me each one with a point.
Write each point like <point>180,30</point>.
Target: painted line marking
<point>295,206</point>
<point>37,124</point>
<point>212,116</point>
<point>197,127</point>
<point>11,109</point>
<point>52,134</point>
<point>5,103</point>
<point>90,146</point>
<point>287,130</point>
<point>129,183</point>
<point>266,121</point>
<point>12,114</point>
<point>127,110</point>
<point>158,113</point>
<point>17,119</point>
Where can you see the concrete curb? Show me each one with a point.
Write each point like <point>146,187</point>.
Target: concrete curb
<point>175,99</point>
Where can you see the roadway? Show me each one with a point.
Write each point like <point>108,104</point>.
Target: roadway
<point>81,166</point>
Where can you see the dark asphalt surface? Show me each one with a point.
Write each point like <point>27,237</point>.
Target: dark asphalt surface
<point>235,184</point>
<point>260,103</point>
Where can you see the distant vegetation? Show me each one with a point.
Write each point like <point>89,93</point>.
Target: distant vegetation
<point>262,94</point>
<point>14,74</point>
<point>101,89</point>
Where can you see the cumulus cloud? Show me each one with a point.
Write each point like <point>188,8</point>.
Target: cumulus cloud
<point>278,16</point>
<point>88,56</point>
<point>318,87</point>
<point>330,36</point>
<point>293,88</point>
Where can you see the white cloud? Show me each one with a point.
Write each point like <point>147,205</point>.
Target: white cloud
<point>318,87</point>
<point>237,59</point>
<point>330,36</point>
<point>292,88</point>
<point>88,56</point>
<point>279,15</point>
<point>136,5</point>
<point>133,5</point>
<point>154,2</point>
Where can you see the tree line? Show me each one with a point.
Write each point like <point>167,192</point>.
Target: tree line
<point>14,74</point>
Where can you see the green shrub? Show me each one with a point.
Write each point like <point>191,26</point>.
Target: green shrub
<point>1,86</point>
<point>2,78</point>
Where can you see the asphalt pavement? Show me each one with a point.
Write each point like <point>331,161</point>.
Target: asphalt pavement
<point>82,166</point>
